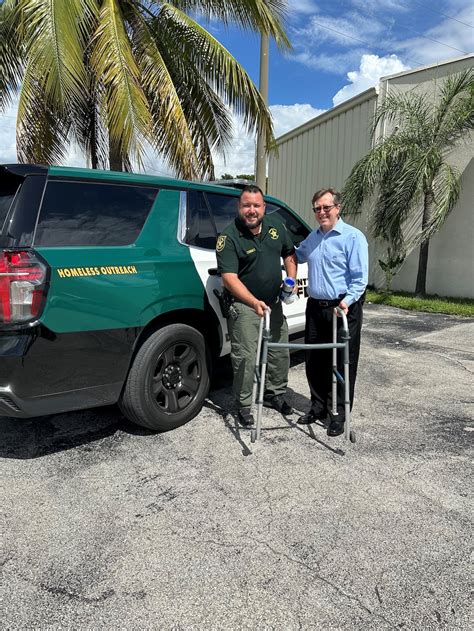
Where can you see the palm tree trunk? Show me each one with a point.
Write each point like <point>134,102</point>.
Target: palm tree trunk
<point>420,289</point>
<point>115,158</point>
<point>94,153</point>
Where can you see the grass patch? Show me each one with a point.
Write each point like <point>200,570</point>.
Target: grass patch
<point>432,304</point>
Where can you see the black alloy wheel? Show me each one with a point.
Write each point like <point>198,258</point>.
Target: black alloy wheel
<point>168,380</point>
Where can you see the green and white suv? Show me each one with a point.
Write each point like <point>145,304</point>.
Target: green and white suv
<point>106,291</point>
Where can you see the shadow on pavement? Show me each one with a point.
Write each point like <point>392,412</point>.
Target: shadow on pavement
<point>43,435</point>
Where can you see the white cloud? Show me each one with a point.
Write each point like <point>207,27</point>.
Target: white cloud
<point>241,155</point>
<point>372,67</point>
<point>7,135</point>
<point>352,29</point>
<point>286,117</point>
<point>381,5</point>
<point>303,6</point>
<point>337,63</point>
<point>454,39</point>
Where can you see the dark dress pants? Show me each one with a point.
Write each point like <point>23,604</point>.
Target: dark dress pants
<point>319,362</point>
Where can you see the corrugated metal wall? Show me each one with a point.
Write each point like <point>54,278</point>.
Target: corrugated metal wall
<point>321,153</point>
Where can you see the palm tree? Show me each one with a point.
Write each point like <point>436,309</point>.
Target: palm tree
<point>118,75</point>
<point>415,186</point>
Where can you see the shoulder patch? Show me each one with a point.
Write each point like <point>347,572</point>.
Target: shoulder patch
<point>220,245</point>
<point>273,232</point>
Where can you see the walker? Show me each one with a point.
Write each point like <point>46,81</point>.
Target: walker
<point>263,344</point>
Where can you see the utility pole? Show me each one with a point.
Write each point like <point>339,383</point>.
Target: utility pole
<point>261,157</point>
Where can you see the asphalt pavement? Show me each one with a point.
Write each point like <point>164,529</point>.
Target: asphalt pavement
<point>108,526</point>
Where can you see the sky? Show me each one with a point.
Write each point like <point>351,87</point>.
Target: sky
<point>339,49</point>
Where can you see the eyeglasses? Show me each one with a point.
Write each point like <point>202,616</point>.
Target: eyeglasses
<point>318,209</point>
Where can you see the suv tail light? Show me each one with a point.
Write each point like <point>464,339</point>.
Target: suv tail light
<point>22,285</point>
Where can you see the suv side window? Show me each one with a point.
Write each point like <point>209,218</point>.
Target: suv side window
<point>75,213</point>
<point>9,185</point>
<point>223,209</point>
<point>298,231</point>
<point>20,220</point>
<point>200,229</point>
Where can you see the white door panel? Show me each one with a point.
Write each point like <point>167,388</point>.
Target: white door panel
<point>204,260</point>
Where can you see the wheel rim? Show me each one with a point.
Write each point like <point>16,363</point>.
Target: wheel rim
<point>177,377</point>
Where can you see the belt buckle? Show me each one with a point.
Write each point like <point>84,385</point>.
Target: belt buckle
<point>324,303</point>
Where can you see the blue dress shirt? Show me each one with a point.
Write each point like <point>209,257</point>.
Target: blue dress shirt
<point>338,262</point>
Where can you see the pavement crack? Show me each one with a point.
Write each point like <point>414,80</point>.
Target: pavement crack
<point>334,586</point>
<point>452,359</point>
<point>265,473</point>
<point>378,594</point>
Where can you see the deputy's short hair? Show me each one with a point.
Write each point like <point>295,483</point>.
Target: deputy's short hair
<point>322,191</point>
<point>250,188</point>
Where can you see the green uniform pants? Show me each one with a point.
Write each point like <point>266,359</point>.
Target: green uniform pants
<point>243,334</point>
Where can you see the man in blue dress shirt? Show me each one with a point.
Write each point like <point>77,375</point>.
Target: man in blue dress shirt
<point>337,257</point>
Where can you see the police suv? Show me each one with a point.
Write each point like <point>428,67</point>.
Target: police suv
<point>107,291</point>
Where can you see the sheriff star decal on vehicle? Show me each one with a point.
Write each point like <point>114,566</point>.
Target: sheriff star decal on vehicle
<point>220,245</point>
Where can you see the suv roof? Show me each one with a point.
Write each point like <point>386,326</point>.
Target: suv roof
<point>22,170</point>
<point>239,183</point>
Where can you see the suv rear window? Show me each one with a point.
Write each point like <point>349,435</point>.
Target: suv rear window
<point>90,213</point>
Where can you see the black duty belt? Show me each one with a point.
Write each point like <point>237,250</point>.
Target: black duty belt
<point>326,303</point>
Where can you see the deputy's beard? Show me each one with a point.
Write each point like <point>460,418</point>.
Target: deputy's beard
<point>252,223</point>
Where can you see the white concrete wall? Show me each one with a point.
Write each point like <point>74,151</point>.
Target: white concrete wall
<point>451,252</point>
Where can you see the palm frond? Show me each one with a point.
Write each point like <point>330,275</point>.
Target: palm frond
<point>11,50</point>
<point>202,105</point>
<point>454,115</point>
<point>366,174</point>
<point>171,135</point>
<point>41,136</point>
<point>114,65</point>
<point>445,191</point>
<point>54,38</point>
<point>403,192</point>
<point>263,16</point>
<point>88,127</point>
<point>208,119</point>
<point>408,111</point>
<point>218,67</point>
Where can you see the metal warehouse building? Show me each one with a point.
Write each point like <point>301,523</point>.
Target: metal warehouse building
<point>323,151</point>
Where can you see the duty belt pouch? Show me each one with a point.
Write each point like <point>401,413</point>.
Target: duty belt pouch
<point>226,300</point>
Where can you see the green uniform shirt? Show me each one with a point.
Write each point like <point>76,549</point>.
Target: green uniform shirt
<point>256,259</point>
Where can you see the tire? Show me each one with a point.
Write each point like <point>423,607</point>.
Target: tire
<point>168,380</point>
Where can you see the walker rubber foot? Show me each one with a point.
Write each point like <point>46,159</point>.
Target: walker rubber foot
<point>253,435</point>
<point>352,436</point>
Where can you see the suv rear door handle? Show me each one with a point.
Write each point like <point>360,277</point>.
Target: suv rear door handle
<point>213,271</point>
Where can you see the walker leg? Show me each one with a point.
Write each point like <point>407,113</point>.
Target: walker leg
<point>348,435</point>
<point>263,358</point>
<point>334,366</point>
<point>256,376</point>
<point>262,389</point>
